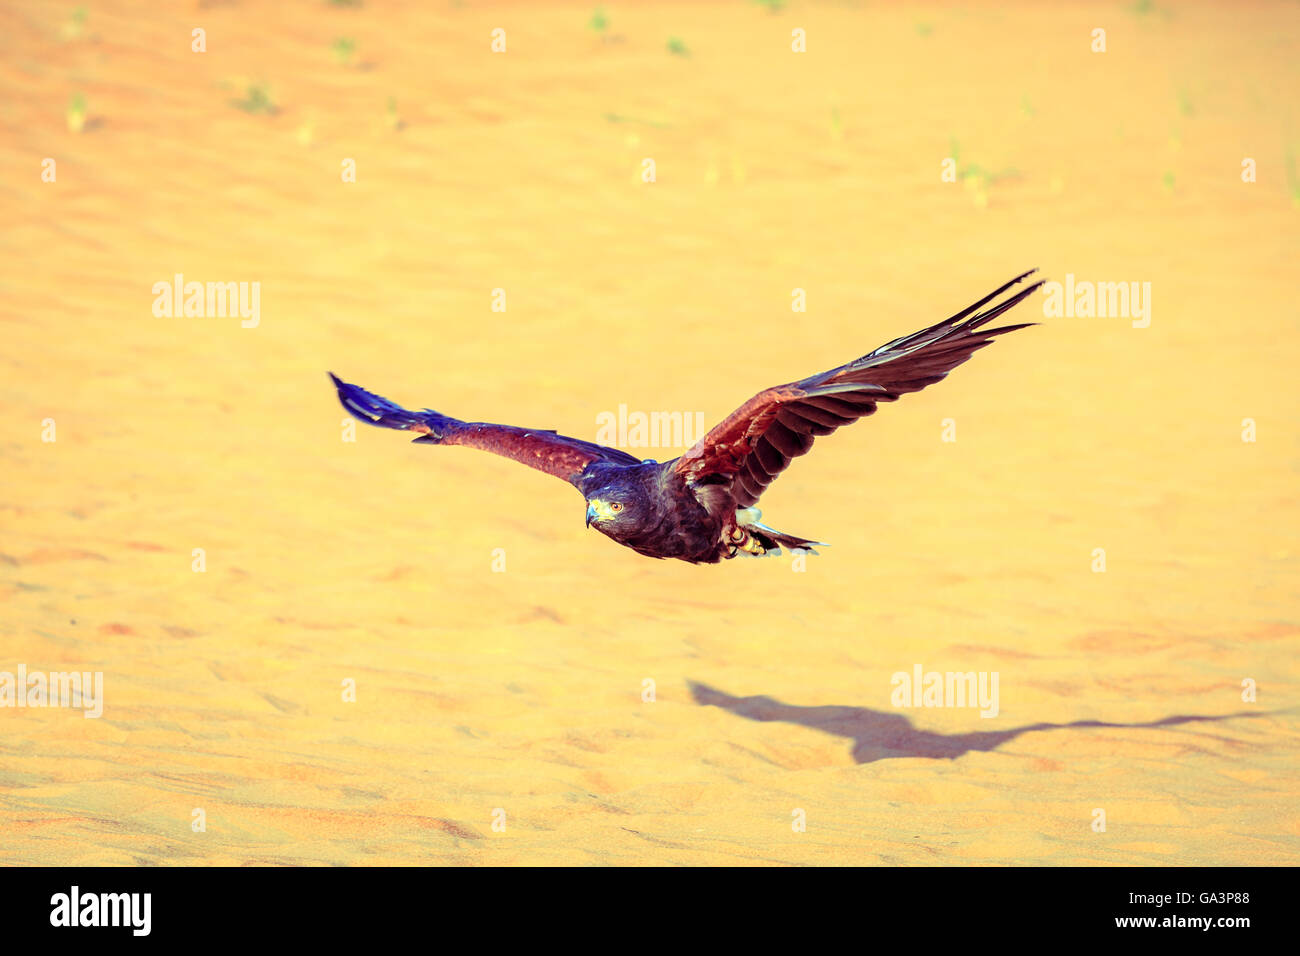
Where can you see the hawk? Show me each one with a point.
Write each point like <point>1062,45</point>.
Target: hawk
<point>700,507</point>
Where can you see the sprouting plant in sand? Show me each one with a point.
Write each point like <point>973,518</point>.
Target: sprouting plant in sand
<point>677,47</point>
<point>598,22</point>
<point>77,113</point>
<point>391,119</point>
<point>924,29</point>
<point>344,50</point>
<point>773,6</point>
<point>620,118</point>
<point>978,178</point>
<point>1167,180</point>
<point>1146,8</point>
<point>76,25</point>
<point>257,99</point>
<point>1293,177</point>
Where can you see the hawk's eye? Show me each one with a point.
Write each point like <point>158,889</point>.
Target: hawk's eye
<point>616,506</point>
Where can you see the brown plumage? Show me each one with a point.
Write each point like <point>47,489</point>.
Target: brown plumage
<point>699,507</point>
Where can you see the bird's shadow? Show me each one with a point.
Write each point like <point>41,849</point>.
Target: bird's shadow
<point>877,735</point>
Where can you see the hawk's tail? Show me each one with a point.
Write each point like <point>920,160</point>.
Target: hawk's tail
<point>773,541</point>
<point>376,410</point>
<point>758,538</point>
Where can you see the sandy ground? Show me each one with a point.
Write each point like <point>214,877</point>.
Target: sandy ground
<point>485,695</point>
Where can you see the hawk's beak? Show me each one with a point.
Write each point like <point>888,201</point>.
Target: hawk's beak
<point>598,510</point>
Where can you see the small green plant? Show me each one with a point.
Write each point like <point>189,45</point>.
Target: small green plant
<point>1293,178</point>
<point>924,29</point>
<point>974,175</point>
<point>620,118</point>
<point>677,47</point>
<point>344,50</point>
<point>77,113</point>
<point>257,99</point>
<point>598,22</point>
<point>773,6</point>
<point>76,25</point>
<point>1168,180</point>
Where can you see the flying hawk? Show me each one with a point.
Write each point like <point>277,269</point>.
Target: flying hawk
<point>700,507</point>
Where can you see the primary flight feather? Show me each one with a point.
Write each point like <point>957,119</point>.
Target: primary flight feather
<point>700,507</point>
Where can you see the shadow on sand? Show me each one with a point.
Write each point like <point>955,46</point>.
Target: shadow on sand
<point>877,735</point>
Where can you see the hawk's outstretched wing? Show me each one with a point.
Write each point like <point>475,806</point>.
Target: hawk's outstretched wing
<point>546,451</point>
<point>756,442</point>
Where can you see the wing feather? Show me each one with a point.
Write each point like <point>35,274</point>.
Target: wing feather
<point>555,454</point>
<point>757,441</point>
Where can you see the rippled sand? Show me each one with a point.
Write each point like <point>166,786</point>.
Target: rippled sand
<point>520,695</point>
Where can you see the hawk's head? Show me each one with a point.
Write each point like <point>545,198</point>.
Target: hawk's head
<point>627,503</point>
<point>617,512</point>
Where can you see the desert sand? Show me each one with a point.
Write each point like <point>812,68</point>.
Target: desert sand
<point>526,692</point>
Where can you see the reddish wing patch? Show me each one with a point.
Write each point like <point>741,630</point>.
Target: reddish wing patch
<point>757,441</point>
<point>538,448</point>
<point>546,451</point>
